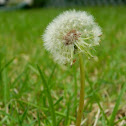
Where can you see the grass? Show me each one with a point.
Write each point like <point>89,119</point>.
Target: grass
<point>26,100</point>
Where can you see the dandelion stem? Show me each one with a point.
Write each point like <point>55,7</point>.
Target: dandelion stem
<point>81,102</point>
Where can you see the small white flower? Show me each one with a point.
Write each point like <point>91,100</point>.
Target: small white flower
<point>69,33</point>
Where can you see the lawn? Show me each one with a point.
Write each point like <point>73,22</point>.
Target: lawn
<point>25,93</point>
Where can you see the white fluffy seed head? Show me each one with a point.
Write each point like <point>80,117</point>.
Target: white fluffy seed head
<point>69,33</point>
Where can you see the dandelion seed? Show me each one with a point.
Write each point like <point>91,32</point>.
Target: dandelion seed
<point>69,30</point>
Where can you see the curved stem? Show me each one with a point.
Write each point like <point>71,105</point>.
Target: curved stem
<point>81,102</point>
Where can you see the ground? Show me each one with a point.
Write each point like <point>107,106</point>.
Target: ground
<point>23,99</point>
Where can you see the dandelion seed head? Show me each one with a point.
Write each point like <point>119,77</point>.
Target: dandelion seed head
<point>69,31</point>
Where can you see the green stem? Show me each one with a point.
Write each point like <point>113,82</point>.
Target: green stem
<point>81,102</point>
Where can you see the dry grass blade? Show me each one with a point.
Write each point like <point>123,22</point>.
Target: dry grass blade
<point>97,116</point>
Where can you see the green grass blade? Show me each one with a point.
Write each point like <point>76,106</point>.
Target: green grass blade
<point>7,64</point>
<point>103,121</point>
<point>31,123</point>
<point>4,79</point>
<point>17,79</point>
<point>59,121</point>
<point>57,102</point>
<point>8,115</point>
<point>51,75</point>
<point>33,69</point>
<point>46,109</point>
<point>5,87</point>
<point>24,115</point>
<point>67,114</point>
<point>38,118</point>
<point>115,110</point>
<point>49,97</point>
<point>75,92</point>
<point>123,118</point>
